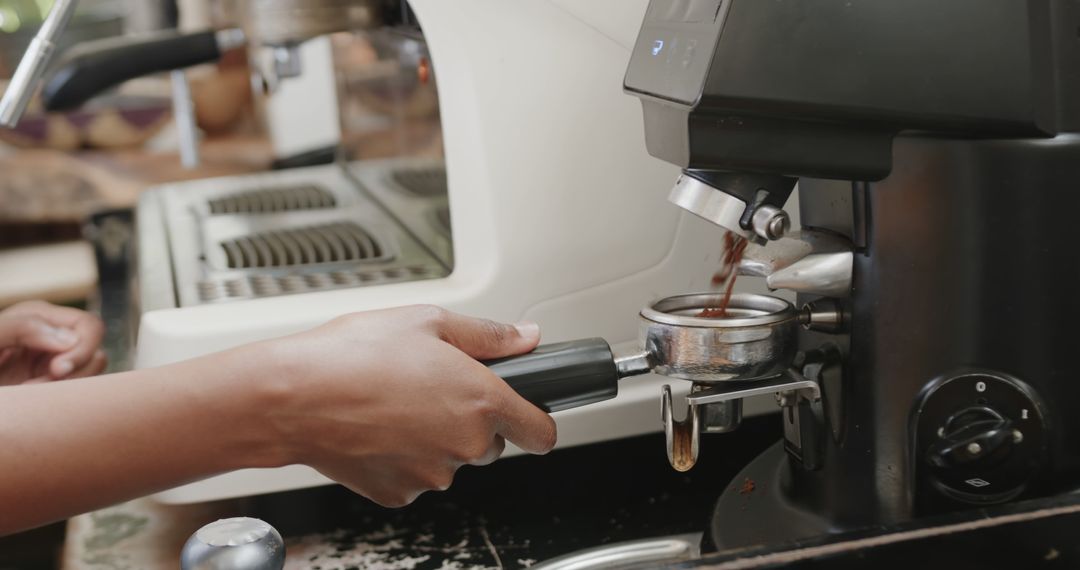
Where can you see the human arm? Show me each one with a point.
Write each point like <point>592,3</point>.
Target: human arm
<point>389,403</point>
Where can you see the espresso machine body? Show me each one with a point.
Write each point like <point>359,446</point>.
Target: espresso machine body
<point>935,142</point>
<point>472,214</point>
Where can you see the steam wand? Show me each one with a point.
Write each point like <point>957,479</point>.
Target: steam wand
<point>33,63</point>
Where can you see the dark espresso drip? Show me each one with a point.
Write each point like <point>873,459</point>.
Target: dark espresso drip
<point>734,247</point>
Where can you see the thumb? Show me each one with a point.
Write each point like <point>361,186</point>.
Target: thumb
<point>485,339</point>
<point>35,333</point>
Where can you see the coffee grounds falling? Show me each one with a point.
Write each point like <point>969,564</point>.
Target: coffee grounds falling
<point>734,247</point>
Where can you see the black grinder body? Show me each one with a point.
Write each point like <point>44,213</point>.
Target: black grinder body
<point>938,138</point>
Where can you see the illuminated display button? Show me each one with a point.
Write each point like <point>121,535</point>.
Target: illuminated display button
<point>688,52</point>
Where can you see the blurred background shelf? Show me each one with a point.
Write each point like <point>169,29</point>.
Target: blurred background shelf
<point>46,197</point>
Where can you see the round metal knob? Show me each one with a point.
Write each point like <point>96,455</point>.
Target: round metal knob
<point>234,544</point>
<point>770,223</point>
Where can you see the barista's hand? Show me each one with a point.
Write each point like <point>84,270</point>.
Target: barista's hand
<point>40,342</point>
<point>391,403</point>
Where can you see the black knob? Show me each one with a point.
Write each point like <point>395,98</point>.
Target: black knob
<point>976,436</point>
<point>980,438</point>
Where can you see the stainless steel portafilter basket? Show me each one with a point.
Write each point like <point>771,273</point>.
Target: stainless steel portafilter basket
<point>756,338</point>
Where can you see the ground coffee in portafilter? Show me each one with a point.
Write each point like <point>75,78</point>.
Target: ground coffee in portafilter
<point>734,247</point>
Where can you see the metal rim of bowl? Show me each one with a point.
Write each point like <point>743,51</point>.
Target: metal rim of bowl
<point>769,310</point>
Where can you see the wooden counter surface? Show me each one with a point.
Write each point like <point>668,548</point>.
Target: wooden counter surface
<point>45,195</point>
<point>43,186</point>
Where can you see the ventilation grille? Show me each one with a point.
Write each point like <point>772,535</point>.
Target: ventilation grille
<point>269,200</point>
<point>257,286</point>
<point>425,182</point>
<point>331,243</point>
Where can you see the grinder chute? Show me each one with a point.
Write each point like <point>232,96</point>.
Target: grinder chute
<point>749,205</point>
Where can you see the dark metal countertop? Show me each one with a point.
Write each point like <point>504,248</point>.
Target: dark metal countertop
<point>512,514</point>
<point>521,510</point>
<point>1039,533</point>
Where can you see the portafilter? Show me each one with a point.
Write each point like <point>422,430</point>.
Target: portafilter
<point>748,351</point>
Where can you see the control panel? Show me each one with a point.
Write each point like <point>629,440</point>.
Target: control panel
<point>980,437</point>
<point>674,48</point>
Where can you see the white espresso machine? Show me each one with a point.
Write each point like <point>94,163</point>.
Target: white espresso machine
<point>540,202</point>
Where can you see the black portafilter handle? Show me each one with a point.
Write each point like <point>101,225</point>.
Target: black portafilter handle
<point>562,375</point>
